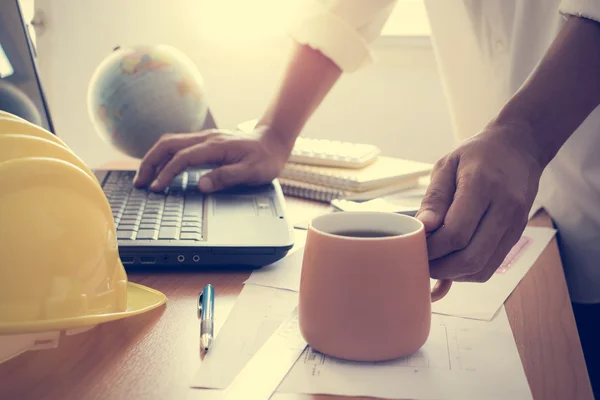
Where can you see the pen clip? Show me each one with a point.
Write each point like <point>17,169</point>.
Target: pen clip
<point>200,304</point>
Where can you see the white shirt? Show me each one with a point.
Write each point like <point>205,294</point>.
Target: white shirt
<point>485,50</point>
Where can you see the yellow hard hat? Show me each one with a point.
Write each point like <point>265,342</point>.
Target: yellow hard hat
<point>60,265</point>
<point>17,146</point>
<point>15,124</point>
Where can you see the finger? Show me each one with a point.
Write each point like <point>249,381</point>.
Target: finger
<point>473,258</point>
<point>439,194</point>
<point>202,153</point>
<point>470,203</point>
<point>161,153</point>
<point>224,177</point>
<point>510,238</point>
<point>162,165</point>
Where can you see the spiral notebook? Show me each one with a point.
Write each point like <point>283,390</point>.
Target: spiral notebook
<point>383,172</point>
<point>323,193</point>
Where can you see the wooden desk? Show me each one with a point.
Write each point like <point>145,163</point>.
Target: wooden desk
<point>155,355</point>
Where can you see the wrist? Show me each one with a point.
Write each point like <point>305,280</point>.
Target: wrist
<point>520,135</point>
<point>523,127</point>
<point>280,140</point>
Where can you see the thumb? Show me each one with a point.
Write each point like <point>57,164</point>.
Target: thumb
<point>224,177</point>
<point>439,195</point>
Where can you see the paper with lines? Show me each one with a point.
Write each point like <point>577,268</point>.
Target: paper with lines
<point>462,359</point>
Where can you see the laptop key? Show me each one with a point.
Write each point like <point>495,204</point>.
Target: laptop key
<point>171,217</point>
<point>170,223</point>
<point>128,227</point>
<point>125,235</point>
<point>150,226</point>
<point>139,192</point>
<point>150,234</point>
<point>191,224</point>
<point>152,213</point>
<point>190,236</point>
<point>193,178</point>
<point>130,220</point>
<point>194,206</point>
<point>168,232</point>
<point>152,221</point>
<point>191,229</point>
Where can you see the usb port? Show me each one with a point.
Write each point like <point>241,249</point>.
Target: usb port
<point>147,260</point>
<point>127,260</point>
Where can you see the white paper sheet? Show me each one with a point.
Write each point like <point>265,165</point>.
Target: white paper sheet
<point>257,313</point>
<point>285,273</point>
<point>462,359</point>
<point>483,300</point>
<point>470,300</point>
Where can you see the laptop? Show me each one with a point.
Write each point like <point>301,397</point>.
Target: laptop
<point>245,226</point>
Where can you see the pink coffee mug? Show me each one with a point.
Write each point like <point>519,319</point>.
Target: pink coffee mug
<point>365,292</point>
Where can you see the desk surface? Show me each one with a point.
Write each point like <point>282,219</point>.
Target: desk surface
<point>155,355</point>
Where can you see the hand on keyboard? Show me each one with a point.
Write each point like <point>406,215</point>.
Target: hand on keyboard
<point>253,160</point>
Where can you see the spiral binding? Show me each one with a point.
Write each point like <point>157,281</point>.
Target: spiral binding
<point>309,191</point>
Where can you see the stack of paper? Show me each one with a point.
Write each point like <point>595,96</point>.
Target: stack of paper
<point>470,353</point>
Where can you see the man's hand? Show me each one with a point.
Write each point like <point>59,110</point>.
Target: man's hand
<point>478,202</point>
<point>243,159</point>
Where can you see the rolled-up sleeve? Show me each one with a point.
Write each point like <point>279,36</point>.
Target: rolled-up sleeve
<point>342,29</point>
<point>589,9</point>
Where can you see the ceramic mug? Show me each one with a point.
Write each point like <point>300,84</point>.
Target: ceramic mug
<point>365,292</point>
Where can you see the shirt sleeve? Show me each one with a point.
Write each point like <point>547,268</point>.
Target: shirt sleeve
<point>581,8</point>
<point>342,29</point>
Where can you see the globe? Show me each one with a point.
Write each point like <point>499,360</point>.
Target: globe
<point>137,94</point>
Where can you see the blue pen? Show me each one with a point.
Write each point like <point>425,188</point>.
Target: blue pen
<point>206,308</point>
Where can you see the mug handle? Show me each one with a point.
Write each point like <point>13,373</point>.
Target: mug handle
<point>440,289</point>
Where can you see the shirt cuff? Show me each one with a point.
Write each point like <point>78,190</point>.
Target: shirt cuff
<point>589,9</point>
<point>335,38</point>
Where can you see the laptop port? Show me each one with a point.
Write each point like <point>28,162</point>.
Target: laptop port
<point>127,260</point>
<point>196,258</point>
<point>147,260</point>
<point>166,258</point>
<point>181,258</point>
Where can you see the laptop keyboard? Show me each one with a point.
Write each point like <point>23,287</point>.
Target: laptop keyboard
<point>176,214</point>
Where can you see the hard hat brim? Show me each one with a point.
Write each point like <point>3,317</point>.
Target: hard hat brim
<point>140,299</point>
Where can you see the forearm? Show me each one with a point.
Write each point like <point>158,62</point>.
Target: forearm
<point>562,91</point>
<point>307,79</point>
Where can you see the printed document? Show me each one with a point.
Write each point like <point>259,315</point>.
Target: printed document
<point>483,300</point>
<point>462,359</point>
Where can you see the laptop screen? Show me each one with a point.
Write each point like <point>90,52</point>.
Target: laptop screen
<point>20,90</point>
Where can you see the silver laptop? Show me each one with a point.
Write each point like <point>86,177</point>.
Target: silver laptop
<point>242,226</point>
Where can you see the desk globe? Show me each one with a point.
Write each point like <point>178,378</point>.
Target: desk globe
<point>136,94</point>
